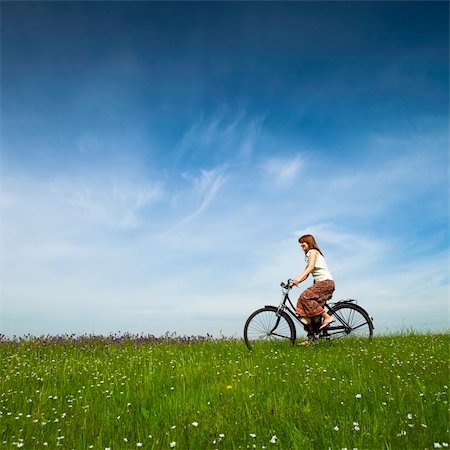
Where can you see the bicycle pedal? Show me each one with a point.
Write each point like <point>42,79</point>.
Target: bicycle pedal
<point>325,336</point>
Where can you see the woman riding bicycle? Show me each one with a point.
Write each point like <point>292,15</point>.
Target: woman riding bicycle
<point>311,301</point>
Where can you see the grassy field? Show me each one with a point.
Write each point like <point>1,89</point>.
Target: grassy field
<point>135,392</point>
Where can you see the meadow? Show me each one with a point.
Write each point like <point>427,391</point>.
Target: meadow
<point>132,392</point>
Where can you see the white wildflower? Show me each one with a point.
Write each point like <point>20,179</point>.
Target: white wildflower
<point>195,424</point>
<point>273,440</point>
<point>173,444</point>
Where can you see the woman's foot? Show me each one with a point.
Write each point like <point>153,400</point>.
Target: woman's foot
<point>305,343</point>
<point>326,323</point>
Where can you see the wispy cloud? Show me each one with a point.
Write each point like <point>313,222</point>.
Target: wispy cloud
<point>116,203</point>
<point>65,213</point>
<point>226,136</point>
<point>225,141</point>
<point>205,188</point>
<point>283,171</point>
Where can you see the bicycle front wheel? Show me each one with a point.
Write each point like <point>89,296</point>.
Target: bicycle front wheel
<point>268,324</point>
<point>350,320</point>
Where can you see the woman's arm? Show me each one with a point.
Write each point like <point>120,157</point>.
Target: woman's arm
<point>308,269</point>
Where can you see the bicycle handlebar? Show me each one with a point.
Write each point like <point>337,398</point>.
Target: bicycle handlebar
<point>286,285</point>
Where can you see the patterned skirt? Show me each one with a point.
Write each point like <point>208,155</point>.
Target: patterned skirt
<point>311,301</point>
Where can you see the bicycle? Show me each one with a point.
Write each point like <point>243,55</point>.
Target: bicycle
<point>273,323</point>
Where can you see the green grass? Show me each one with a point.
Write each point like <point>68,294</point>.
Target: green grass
<point>388,393</point>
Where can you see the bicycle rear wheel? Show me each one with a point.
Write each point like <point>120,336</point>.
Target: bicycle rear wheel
<point>268,324</point>
<point>350,321</point>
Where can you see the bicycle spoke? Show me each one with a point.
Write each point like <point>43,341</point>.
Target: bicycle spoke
<point>281,335</point>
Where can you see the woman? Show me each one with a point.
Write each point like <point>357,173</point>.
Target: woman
<point>311,301</point>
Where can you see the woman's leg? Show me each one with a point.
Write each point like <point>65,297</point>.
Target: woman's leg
<point>311,301</point>
<point>327,319</point>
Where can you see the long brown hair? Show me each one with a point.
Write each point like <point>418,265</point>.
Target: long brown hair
<point>309,239</point>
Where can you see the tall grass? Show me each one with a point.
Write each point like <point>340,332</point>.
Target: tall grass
<point>81,393</point>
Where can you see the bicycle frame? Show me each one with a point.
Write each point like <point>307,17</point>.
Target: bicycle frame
<point>290,309</point>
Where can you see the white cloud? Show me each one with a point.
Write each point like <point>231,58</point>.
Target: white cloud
<point>63,217</point>
<point>116,203</point>
<point>205,188</point>
<point>282,171</point>
<point>226,136</point>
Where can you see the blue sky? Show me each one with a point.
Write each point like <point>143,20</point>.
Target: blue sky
<point>160,159</point>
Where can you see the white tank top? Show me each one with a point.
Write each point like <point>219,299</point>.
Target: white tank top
<point>320,271</point>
